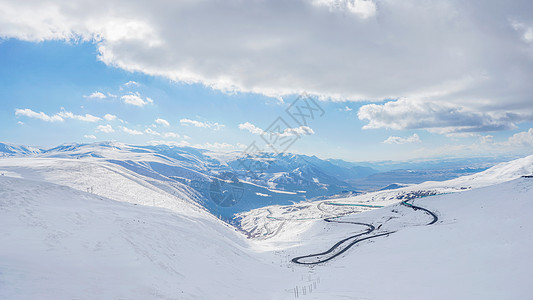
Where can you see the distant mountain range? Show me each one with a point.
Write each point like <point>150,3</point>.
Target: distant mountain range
<point>226,183</point>
<point>222,182</point>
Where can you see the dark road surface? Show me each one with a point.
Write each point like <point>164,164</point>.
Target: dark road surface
<point>432,214</point>
<point>345,244</point>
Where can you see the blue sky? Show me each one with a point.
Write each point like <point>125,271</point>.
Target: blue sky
<point>136,81</point>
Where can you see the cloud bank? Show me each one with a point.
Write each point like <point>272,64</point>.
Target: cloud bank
<point>472,59</point>
<point>189,122</point>
<point>136,100</point>
<point>302,130</point>
<point>438,117</point>
<point>59,117</point>
<point>399,140</point>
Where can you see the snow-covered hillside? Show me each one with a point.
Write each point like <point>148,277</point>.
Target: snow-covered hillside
<point>7,150</point>
<point>60,242</point>
<point>188,174</point>
<point>500,173</point>
<point>258,222</point>
<point>479,249</point>
<point>183,172</point>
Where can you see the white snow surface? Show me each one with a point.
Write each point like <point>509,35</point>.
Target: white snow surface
<point>59,241</point>
<point>258,222</point>
<point>104,179</point>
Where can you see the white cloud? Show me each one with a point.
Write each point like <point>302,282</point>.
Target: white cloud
<point>152,132</point>
<point>90,136</point>
<point>37,115</point>
<point>189,122</point>
<point>20,123</point>
<point>170,135</point>
<point>105,128</point>
<point>487,139</point>
<point>251,128</point>
<point>437,117</point>
<point>399,140</point>
<point>528,35</point>
<point>110,117</point>
<point>518,144</point>
<point>525,30</point>
<point>458,135</point>
<point>361,8</point>
<point>131,83</point>
<point>59,117</point>
<point>131,131</point>
<point>302,130</point>
<point>136,99</point>
<point>480,53</point>
<point>84,118</point>
<point>524,138</point>
<point>96,95</point>
<point>162,122</point>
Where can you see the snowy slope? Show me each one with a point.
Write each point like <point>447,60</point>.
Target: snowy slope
<point>184,172</point>
<point>60,243</point>
<point>104,179</point>
<point>500,173</point>
<point>258,222</point>
<point>188,173</point>
<point>77,225</point>
<point>480,249</point>
<point>7,150</point>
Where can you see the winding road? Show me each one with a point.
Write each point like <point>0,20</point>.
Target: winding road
<point>343,245</point>
<point>432,214</point>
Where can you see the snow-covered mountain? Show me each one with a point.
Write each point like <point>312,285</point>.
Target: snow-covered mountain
<point>257,222</point>
<point>62,240</point>
<point>500,173</point>
<point>7,150</point>
<point>185,172</point>
<point>198,175</point>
